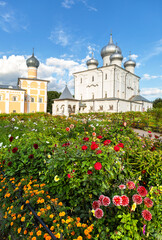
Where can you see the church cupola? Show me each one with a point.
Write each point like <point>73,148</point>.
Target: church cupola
<point>130,65</point>
<point>92,63</point>
<point>32,64</point>
<point>116,58</point>
<point>108,50</point>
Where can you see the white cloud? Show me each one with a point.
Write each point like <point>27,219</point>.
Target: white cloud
<point>134,56</point>
<point>59,36</point>
<point>147,76</point>
<point>67,3</point>
<point>2,3</point>
<point>138,64</point>
<point>155,51</point>
<point>151,93</point>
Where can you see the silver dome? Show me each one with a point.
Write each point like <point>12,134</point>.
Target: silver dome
<point>130,62</point>
<point>116,55</point>
<point>92,61</point>
<point>32,61</point>
<point>110,48</point>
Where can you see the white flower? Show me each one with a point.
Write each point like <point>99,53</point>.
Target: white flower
<point>9,135</point>
<point>16,137</point>
<point>13,119</point>
<point>1,144</point>
<point>47,142</point>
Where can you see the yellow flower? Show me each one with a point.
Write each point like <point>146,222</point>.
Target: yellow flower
<point>19,230</point>
<point>51,216</point>
<point>133,207</point>
<point>23,219</point>
<point>79,238</point>
<point>56,178</point>
<point>49,156</point>
<point>61,214</point>
<point>39,233</point>
<point>57,235</point>
<point>90,195</point>
<point>93,212</point>
<point>139,178</point>
<point>11,224</point>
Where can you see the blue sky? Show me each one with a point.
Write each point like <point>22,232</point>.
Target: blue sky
<point>64,32</point>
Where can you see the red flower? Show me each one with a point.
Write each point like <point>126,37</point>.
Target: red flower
<point>156,136</point>
<point>69,175</point>
<point>107,142</point>
<point>89,172</point>
<point>15,149</point>
<point>106,201</point>
<point>67,129</point>
<point>31,156</point>
<point>143,171</point>
<point>99,137</point>
<point>11,139</point>
<point>35,146</point>
<point>131,185</point>
<point>142,191</point>
<point>98,152</point>
<point>148,202</point>
<point>146,215</point>
<point>149,131</point>
<point>122,186</point>
<point>116,148</point>
<point>86,139</point>
<point>121,145</point>
<point>84,147</point>
<point>137,199</point>
<point>99,213</point>
<point>101,197</point>
<point>125,200</point>
<point>94,146</point>
<point>98,166</point>
<point>117,200</point>
<point>10,163</point>
<point>95,205</point>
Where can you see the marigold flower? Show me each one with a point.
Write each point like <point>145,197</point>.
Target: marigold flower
<point>39,233</point>
<point>146,215</point>
<point>57,235</point>
<point>133,207</point>
<point>86,232</point>
<point>23,219</point>
<point>19,230</point>
<point>117,200</point>
<point>148,202</point>
<point>99,213</point>
<point>25,232</point>
<point>97,166</point>
<point>142,191</point>
<point>34,238</point>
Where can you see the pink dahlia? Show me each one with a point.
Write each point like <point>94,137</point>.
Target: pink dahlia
<point>142,191</point>
<point>84,147</point>
<point>67,129</point>
<point>101,197</point>
<point>125,200</point>
<point>96,204</point>
<point>86,139</point>
<point>106,201</point>
<point>99,213</point>
<point>131,185</point>
<point>122,186</point>
<point>98,152</point>
<point>98,166</point>
<point>137,199</point>
<point>146,215</point>
<point>117,200</point>
<point>107,142</point>
<point>148,202</point>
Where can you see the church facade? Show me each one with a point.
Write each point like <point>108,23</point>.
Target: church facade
<point>110,88</point>
<point>30,94</point>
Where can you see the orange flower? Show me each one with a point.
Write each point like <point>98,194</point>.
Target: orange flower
<point>27,201</point>
<point>25,232</point>
<point>39,233</point>
<point>31,233</point>
<point>19,230</point>
<point>23,219</point>
<point>79,238</point>
<point>86,232</point>
<point>48,238</point>
<point>34,238</point>
<point>73,233</point>
<point>11,224</point>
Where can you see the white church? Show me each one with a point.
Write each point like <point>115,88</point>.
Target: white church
<point>110,88</point>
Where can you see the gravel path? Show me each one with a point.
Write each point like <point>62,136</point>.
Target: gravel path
<point>143,133</point>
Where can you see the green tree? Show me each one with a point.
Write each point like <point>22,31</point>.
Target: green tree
<point>50,96</point>
<point>157,103</point>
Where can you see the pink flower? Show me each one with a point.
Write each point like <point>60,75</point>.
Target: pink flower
<point>69,175</point>
<point>89,172</point>
<point>86,139</point>
<point>98,166</point>
<point>146,215</point>
<point>93,134</point>
<point>121,145</point>
<point>107,142</point>
<point>125,200</point>
<point>94,146</point>
<point>99,137</point>
<point>122,186</point>
<point>131,185</point>
<point>117,200</point>
<point>124,124</point>
<point>99,213</point>
<point>98,152</point>
<point>142,191</point>
<point>96,204</point>
<point>148,202</point>
<point>137,199</point>
<point>116,148</point>
<point>106,201</point>
<point>67,129</point>
<point>101,197</point>
<point>84,147</point>
<point>149,131</point>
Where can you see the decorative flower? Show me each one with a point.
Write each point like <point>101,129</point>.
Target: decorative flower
<point>35,146</point>
<point>131,185</point>
<point>69,175</point>
<point>121,145</point>
<point>99,213</point>
<point>122,186</point>
<point>106,201</point>
<point>144,226</point>
<point>84,147</point>
<point>89,172</point>
<point>86,139</point>
<point>11,139</point>
<point>143,171</point>
<point>67,129</point>
<point>95,205</point>
<point>142,191</point>
<point>98,152</point>
<point>49,156</point>
<point>93,134</point>
<point>56,178</point>
<point>31,156</point>
<point>146,215</point>
<point>125,200</point>
<point>94,146</point>
<point>101,197</point>
<point>15,149</point>
<point>9,164</point>
<point>148,202</point>
<point>99,137</point>
<point>117,200</point>
<point>107,142</point>
<point>98,166</point>
<point>71,126</point>
<point>116,148</point>
<point>137,199</point>
<point>133,207</point>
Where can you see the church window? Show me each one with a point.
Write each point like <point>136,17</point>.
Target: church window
<point>92,95</point>
<point>40,100</point>
<point>81,97</point>
<point>14,99</point>
<point>106,76</point>
<point>92,78</point>
<point>111,107</point>
<point>0,98</point>
<point>91,108</point>
<point>101,107</point>
<point>81,80</point>
<point>14,111</point>
<point>105,94</point>
<point>25,99</point>
<point>32,99</point>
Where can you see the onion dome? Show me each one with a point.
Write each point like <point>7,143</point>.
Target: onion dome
<point>92,61</point>
<point>32,61</point>
<point>130,62</point>
<point>110,48</point>
<point>116,56</point>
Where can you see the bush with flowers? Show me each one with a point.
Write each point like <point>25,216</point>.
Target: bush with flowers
<point>77,160</point>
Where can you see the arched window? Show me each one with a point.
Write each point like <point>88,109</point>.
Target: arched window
<point>81,80</point>
<point>92,95</point>
<point>92,78</point>
<point>14,98</point>
<point>106,76</point>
